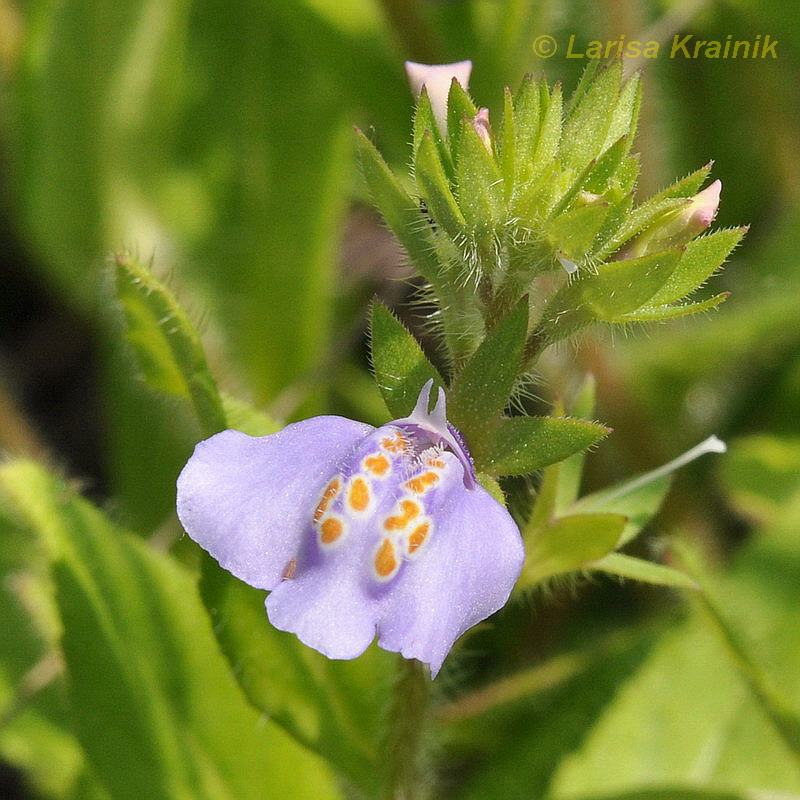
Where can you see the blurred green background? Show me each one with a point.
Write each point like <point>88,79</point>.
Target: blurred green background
<point>216,139</point>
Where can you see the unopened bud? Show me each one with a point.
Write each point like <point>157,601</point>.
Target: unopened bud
<point>702,209</point>
<point>482,127</point>
<point>678,227</point>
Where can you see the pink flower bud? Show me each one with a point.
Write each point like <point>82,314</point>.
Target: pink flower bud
<point>678,227</point>
<point>436,78</point>
<point>702,209</point>
<point>482,127</point>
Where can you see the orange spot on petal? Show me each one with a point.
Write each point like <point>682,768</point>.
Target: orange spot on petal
<point>378,465</point>
<point>394,444</point>
<point>359,495</point>
<point>396,522</point>
<point>421,483</point>
<point>418,537</point>
<point>331,530</point>
<point>386,561</point>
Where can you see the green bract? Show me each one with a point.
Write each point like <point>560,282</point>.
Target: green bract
<point>540,202</point>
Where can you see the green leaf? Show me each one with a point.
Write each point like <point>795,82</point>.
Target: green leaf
<point>685,187</point>
<point>595,176</point>
<point>621,208</point>
<point>573,232</point>
<point>508,146</point>
<point>568,544</point>
<point>623,566</point>
<point>459,105</point>
<point>628,174</point>
<point>639,498</point>
<point>650,313</point>
<point>166,344</point>
<point>400,366</point>
<point>761,476</point>
<point>425,120</point>
<point>584,84</point>
<point>532,200</point>
<point>35,729</point>
<point>551,104</point>
<point>401,212</point>
<point>682,793</point>
<point>701,258</point>
<point>784,718</point>
<point>139,650</point>
<point>434,188</point>
<point>521,445</point>
<point>480,185</point>
<point>626,112</point>
<point>639,502</point>
<point>639,219</point>
<point>694,719</point>
<point>623,286</point>
<point>588,123</point>
<point>532,738</point>
<point>619,288</point>
<point>479,392</point>
<point>244,417</point>
<point>605,168</point>
<point>527,107</point>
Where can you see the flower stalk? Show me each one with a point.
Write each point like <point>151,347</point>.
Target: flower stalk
<point>407,776</point>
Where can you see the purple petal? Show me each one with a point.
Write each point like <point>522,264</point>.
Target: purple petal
<point>326,609</point>
<point>333,600</point>
<point>465,573</point>
<point>247,500</point>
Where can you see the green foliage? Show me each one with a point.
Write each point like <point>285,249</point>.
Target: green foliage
<point>400,366</point>
<point>545,191</point>
<point>146,684</point>
<point>400,211</point>
<point>166,345</point>
<point>335,708</point>
<point>434,188</point>
<point>520,445</point>
<point>480,391</point>
<point>700,259</point>
<point>570,543</point>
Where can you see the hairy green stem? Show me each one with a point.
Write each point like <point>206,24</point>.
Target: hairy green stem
<point>534,345</point>
<point>456,327</point>
<point>406,777</point>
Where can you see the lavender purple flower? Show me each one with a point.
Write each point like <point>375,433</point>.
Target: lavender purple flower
<point>356,531</point>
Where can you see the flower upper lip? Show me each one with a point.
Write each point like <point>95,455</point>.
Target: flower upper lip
<point>434,426</point>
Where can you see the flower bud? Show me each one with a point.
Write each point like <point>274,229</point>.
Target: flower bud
<point>678,227</point>
<point>436,78</point>
<point>702,209</point>
<point>482,127</point>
